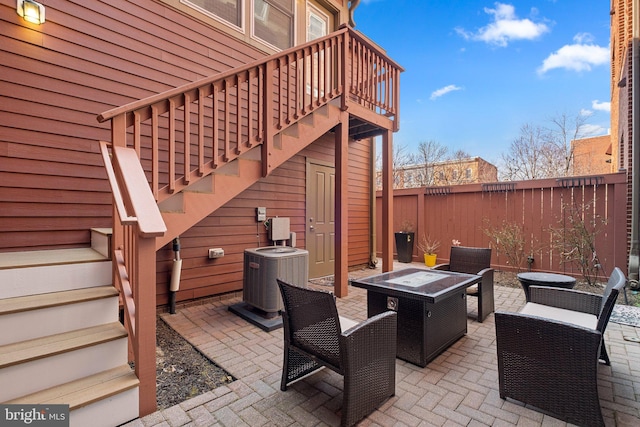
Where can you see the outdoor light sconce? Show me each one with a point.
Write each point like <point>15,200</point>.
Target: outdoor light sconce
<point>31,11</point>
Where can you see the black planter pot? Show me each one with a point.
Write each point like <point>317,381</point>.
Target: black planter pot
<point>404,245</point>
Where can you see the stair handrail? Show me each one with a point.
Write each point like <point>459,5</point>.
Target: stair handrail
<point>179,90</point>
<point>192,86</point>
<point>267,94</point>
<point>130,191</point>
<point>118,200</point>
<point>136,224</point>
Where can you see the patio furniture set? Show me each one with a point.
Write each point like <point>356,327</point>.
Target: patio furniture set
<point>547,354</point>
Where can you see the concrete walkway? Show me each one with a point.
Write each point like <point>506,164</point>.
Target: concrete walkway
<point>458,388</point>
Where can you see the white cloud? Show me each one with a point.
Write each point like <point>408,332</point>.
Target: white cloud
<point>592,130</point>
<point>506,27</point>
<point>582,38</point>
<point>601,106</point>
<point>443,91</point>
<point>579,56</point>
<point>586,113</point>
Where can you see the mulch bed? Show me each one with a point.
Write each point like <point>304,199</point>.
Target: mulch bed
<point>182,372</point>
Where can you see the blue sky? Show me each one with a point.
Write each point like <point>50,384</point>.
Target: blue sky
<point>477,71</point>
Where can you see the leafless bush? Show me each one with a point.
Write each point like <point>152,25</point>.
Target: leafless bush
<point>508,240</point>
<point>574,238</point>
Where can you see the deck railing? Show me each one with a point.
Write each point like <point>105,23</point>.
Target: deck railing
<point>164,143</point>
<point>188,132</point>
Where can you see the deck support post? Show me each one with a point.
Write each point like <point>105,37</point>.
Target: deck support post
<point>387,201</point>
<point>341,273</point>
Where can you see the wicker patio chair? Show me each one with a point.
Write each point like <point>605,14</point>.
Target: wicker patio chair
<point>363,353</point>
<point>549,360</point>
<point>474,261</point>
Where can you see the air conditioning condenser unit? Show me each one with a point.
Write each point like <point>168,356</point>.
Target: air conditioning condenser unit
<point>261,297</point>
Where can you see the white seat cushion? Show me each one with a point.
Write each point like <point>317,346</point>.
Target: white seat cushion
<point>574,317</point>
<point>346,323</point>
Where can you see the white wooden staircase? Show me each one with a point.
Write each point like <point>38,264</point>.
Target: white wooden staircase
<point>61,340</point>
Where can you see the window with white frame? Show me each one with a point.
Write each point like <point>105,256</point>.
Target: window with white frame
<point>229,11</point>
<point>317,23</point>
<point>273,22</point>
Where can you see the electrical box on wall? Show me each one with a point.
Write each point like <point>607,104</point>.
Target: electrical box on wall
<point>279,228</point>
<point>261,214</point>
<point>216,253</point>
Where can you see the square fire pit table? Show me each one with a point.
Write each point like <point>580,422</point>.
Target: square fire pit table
<point>431,307</point>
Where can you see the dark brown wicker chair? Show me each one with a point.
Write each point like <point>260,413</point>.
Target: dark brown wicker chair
<point>365,353</point>
<point>552,364</point>
<point>474,261</point>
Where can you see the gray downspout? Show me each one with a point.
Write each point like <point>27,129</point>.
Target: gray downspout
<point>634,255</point>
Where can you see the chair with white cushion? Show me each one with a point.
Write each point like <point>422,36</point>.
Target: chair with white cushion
<point>548,353</point>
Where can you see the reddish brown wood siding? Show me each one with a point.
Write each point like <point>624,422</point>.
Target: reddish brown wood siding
<point>57,77</point>
<point>360,208</point>
<point>234,228</point>
<point>89,57</point>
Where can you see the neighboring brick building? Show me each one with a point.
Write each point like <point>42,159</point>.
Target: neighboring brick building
<point>622,114</point>
<point>592,156</point>
<point>451,172</point>
<point>621,83</point>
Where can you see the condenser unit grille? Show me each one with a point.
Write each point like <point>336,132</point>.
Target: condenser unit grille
<point>262,266</point>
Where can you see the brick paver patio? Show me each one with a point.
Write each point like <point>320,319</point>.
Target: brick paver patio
<point>458,388</point>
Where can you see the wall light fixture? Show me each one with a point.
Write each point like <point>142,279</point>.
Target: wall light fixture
<point>31,11</point>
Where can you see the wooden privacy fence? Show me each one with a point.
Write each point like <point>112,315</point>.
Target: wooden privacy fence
<point>464,212</point>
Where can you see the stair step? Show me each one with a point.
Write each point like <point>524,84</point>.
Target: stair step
<point>39,272</point>
<point>24,259</point>
<point>45,362</point>
<point>107,398</point>
<point>203,185</point>
<point>38,348</point>
<point>101,241</point>
<point>84,391</point>
<point>34,302</point>
<point>34,316</point>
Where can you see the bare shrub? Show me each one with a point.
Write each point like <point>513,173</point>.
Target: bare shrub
<point>574,238</point>
<point>508,240</point>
